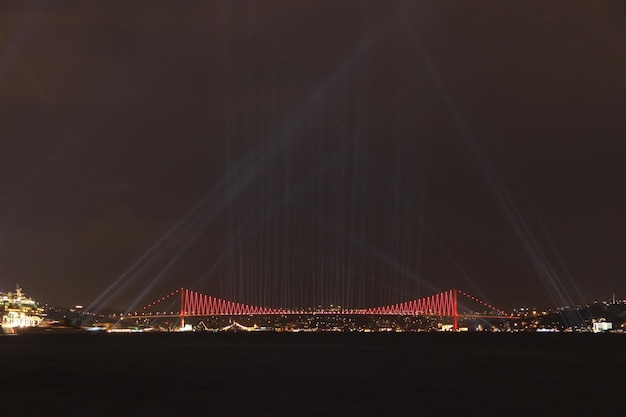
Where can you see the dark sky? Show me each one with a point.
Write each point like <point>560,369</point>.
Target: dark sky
<point>292,153</point>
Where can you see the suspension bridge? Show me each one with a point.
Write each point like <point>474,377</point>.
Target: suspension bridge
<point>195,304</point>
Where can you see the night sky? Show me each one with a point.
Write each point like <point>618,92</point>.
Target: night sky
<point>295,153</point>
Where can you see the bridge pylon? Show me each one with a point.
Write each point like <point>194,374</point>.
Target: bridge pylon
<point>455,310</point>
<point>182,308</point>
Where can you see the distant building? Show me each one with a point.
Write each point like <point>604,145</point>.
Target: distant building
<point>601,326</point>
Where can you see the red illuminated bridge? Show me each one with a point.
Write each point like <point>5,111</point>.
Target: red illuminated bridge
<point>444,304</point>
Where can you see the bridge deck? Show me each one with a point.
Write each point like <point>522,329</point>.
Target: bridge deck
<point>317,313</point>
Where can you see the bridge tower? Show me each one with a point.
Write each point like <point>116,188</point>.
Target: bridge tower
<point>182,308</point>
<point>455,310</point>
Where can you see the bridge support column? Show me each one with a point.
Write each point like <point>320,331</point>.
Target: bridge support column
<point>182,308</point>
<point>455,310</point>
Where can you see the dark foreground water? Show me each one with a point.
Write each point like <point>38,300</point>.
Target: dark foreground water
<point>296,374</point>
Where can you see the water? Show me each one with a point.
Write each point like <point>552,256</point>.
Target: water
<point>298,374</point>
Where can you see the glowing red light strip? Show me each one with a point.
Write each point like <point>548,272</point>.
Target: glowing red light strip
<point>471,297</point>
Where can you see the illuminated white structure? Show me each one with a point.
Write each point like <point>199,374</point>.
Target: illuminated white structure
<point>601,326</point>
<point>18,311</point>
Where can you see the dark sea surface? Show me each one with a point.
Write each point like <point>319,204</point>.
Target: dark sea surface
<point>313,374</point>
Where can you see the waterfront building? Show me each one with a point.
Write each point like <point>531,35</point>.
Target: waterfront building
<point>18,311</point>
